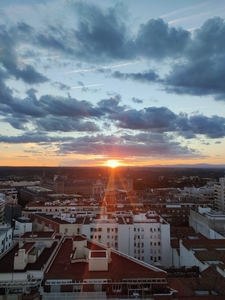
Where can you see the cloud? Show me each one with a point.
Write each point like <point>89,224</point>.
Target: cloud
<point>148,145</point>
<point>148,76</point>
<point>66,124</point>
<point>9,40</point>
<point>136,100</point>
<point>156,40</point>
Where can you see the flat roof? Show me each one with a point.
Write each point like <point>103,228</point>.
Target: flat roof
<point>54,218</point>
<point>120,267</point>
<point>7,260</point>
<point>38,234</point>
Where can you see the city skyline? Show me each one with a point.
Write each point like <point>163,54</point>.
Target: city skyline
<point>88,83</point>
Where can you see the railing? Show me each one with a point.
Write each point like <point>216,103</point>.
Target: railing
<point>75,296</point>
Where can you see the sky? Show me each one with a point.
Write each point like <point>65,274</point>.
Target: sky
<point>138,83</point>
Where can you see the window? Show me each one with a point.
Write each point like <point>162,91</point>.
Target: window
<point>117,288</point>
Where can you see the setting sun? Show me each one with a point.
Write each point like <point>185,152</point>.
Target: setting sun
<point>113,163</point>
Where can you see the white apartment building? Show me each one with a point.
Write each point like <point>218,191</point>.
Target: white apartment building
<point>219,194</point>
<point>145,236</point>
<point>6,234</point>
<point>2,208</point>
<point>208,222</point>
<point>22,225</point>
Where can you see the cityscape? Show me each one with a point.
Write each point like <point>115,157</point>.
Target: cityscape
<point>112,233</point>
<point>112,138</point>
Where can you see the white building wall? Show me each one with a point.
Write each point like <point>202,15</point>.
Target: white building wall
<point>5,238</point>
<point>144,240</point>
<point>219,193</point>
<point>22,227</point>
<point>188,259</point>
<point>2,208</point>
<point>175,258</point>
<point>166,247</point>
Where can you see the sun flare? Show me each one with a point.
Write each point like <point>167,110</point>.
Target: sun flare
<point>112,163</point>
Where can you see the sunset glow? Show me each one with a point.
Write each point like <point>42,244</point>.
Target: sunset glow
<point>112,163</point>
<point>98,85</point>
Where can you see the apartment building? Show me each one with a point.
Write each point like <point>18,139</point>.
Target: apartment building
<point>145,236</point>
<point>6,236</point>
<point>219,194</point>
<point>2,207</point>
<point>208,222</point>
<point>22,267</point>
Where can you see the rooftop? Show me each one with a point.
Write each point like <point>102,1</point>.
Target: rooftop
<point>7,260</point>
<point>121,266</point>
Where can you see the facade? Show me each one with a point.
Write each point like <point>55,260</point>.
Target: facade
<point>208,222</point>
<point>12,211</point>
<point>10,193</point>
<point>22,225</point>
<point>2,208</point>
<point>6,236</point>
<point>219,194</point>
<point>145,236</point>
